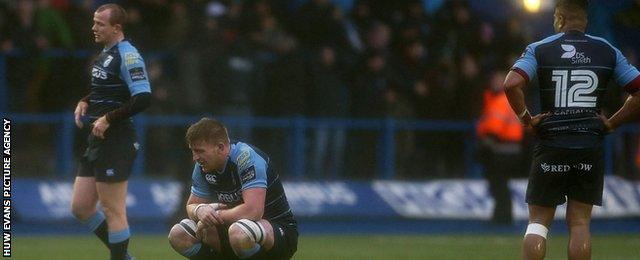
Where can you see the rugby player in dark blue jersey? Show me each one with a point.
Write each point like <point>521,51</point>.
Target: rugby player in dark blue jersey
<point>119,90</point>
<point>238,208</point>
<point>573,71</point>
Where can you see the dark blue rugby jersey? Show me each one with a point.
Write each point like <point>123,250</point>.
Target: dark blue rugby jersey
<point>117,74</point>
<point>573,71</point>
<point>247,167</point>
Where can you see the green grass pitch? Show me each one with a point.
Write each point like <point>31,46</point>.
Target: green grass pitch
<point>52,247</point>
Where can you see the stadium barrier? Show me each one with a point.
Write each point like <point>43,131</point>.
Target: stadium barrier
<point>298,127</point>
<point>39,201</point>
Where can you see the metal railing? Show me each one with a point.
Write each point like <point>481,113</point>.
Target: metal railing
<point>298,126</point>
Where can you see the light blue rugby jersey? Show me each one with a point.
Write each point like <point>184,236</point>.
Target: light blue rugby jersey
<point>117,74</point>
<point>246,168</point>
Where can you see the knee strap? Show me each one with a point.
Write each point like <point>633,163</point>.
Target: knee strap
<point>537,229</point>
<point>189,226</point>
<point>253,229</point>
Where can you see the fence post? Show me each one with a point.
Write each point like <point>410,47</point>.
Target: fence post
<point>65,144</point>
<point>387,157</point>
<point>4,85</point>
<point>140,123</point>
<point>469,158</point>
<point>298,126</point>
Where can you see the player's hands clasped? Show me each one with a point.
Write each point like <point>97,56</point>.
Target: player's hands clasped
<point>100,126</point>
<point>81,110</point>
<point>208,214</point>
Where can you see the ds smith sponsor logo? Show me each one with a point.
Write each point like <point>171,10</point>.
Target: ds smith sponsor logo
<point>576,57</point>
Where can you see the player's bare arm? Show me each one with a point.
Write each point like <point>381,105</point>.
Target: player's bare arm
<point>252,208</point>
<point>513,87</point>
<point>201,209</point>
<point>626,113</point>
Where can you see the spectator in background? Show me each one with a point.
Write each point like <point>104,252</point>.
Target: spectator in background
<point>468,88</point>
<point>329,99</point>
<point>487,49</point>
<point>441,88</point>
<point>361,17</point>
<point>398,107</point>
<point>455,30</point>
<point>236,82</point>
<point>500,134</point>
<point>177,32</point>
<point>369,85</point>
<point>136,25</point>
<point>424,105</point>
<point>287,89</point>
<point>37,28</point>
<point>351,41</point>
<point>315,24</point>
<point>53,28</point>
<point>514,37</point>
<point>5,19</point>
<point>21,33</point>
<point>411,66</point>
<point>77,16</point>
<point>379,38</point>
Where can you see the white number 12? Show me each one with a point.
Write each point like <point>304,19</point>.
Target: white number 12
<point>586,82</point>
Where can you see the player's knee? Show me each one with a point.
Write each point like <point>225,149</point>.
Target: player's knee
<point>578,250</point>
<point>574,222</point>
<point>535,240</point>
<point>182,236</point>
<point>82,211</point>
<point>246,232</point>
<point>114,211</point>
<point>536,229</point>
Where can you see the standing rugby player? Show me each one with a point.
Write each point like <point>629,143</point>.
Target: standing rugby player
<point>573,70</point>
<point>119,90</point>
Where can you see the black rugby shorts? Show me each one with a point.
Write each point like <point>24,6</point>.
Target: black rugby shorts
<point>557,174</point>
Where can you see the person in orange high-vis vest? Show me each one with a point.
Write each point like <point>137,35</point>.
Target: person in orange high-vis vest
<point>500,134</point>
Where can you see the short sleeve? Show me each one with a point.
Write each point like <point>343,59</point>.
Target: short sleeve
<point>133,71</point>
<point>625,74</point>
<point>527,64</point>
<point>199,186</point>
<point>252,168</point>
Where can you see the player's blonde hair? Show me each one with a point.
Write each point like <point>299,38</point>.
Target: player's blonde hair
<point>117,14</point>
<point>209,130</point>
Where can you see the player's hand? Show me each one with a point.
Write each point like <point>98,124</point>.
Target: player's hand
<point>535,120</point>
<point>201,231</point>
<point>608,128</point>
<point>81,110</point>
<point>209,214</point>
<point>100,126</point>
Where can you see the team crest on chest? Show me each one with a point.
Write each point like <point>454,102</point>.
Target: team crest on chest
<point>211,178</point>
<point>107,61</point>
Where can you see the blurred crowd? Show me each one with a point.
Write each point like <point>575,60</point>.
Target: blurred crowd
<point>408,59</point>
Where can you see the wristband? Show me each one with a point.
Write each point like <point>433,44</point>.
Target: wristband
<point>524,113</point>
<point>195,210</point>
